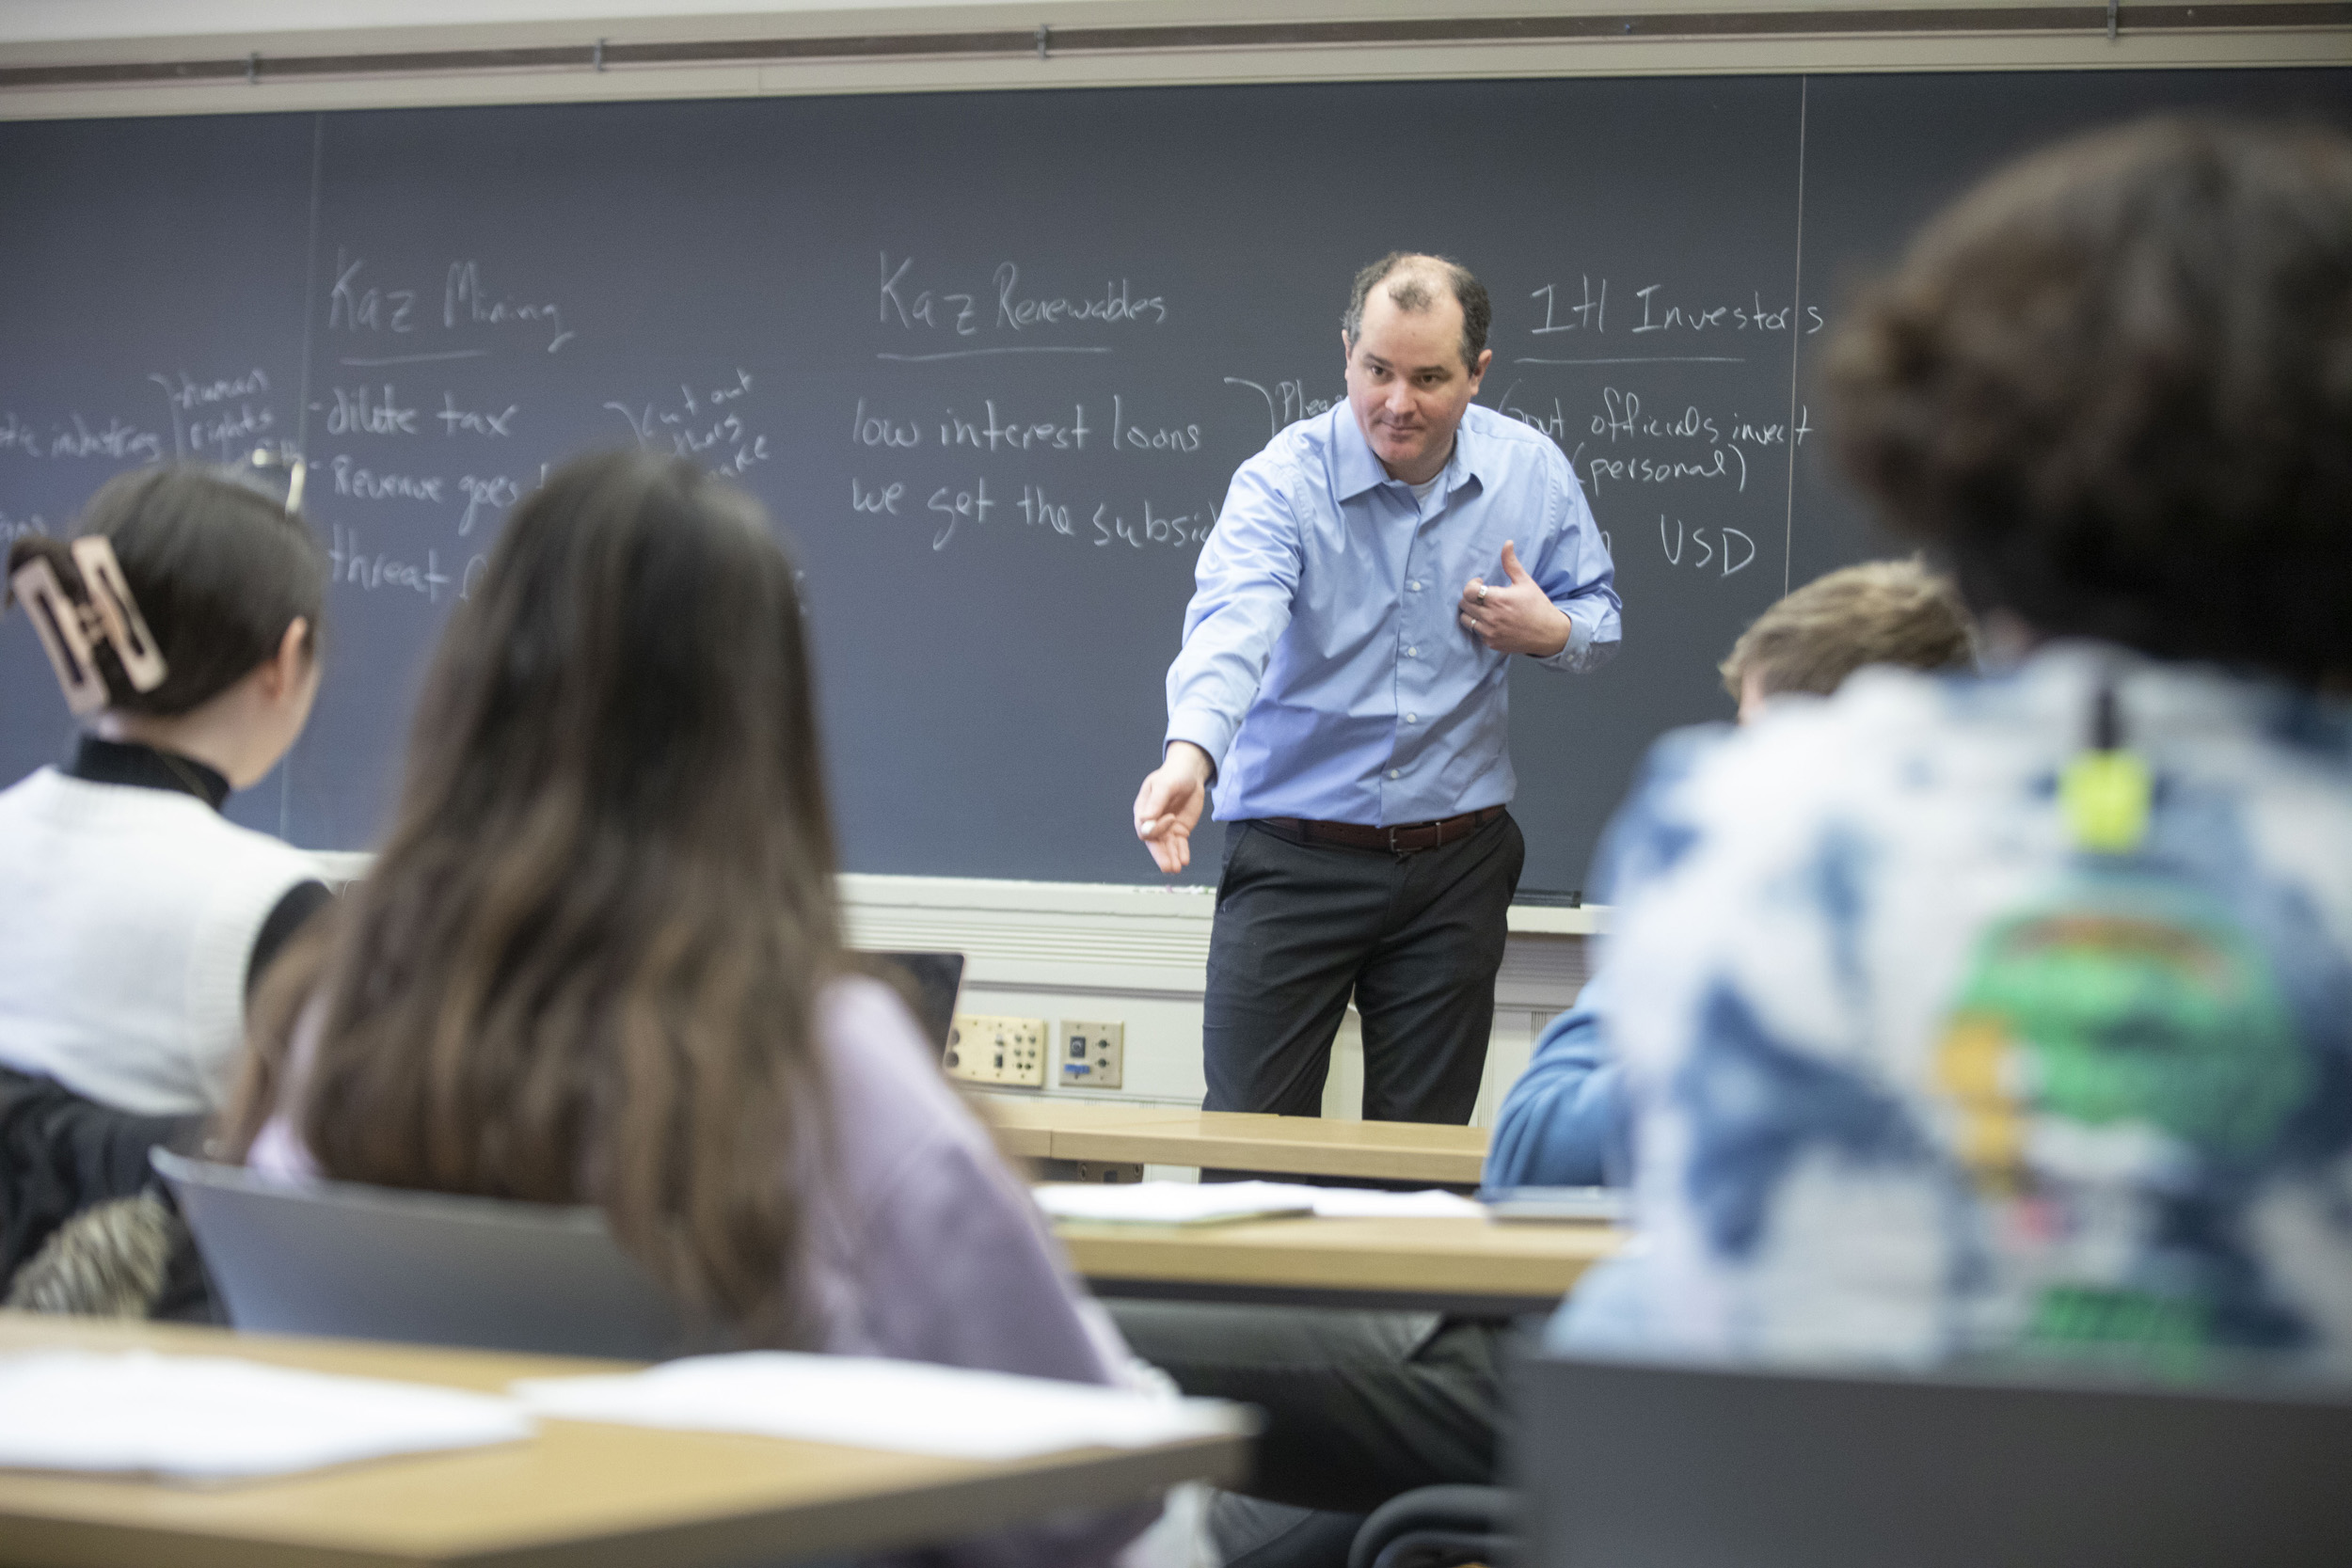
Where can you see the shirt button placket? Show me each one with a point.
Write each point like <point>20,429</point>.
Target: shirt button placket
<point>1412,675</point>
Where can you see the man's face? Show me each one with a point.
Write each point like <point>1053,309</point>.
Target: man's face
<point>1408,384</point>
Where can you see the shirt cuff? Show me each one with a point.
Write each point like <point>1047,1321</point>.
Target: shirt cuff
<point>1571,656</point>
<point>1212,732</point>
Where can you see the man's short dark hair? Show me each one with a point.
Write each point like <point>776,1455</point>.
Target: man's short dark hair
<point>2113,386</point>
<point>1880,612</point>
<point>1411,293</point>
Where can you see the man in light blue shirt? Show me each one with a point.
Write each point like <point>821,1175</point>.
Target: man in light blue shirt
<point>1345,683</point>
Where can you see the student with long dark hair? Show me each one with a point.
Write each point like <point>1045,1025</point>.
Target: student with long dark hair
<point>598,960</point>
<point>183,617</point>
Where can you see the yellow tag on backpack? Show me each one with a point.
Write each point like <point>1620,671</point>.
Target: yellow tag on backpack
<point>2105,796</point>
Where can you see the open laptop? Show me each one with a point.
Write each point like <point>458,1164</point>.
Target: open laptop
<point>933,979</point>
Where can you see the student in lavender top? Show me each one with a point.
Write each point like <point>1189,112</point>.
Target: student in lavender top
<point>1565,1122</point>
<point>2012,1019</point>
<point>598,960</point>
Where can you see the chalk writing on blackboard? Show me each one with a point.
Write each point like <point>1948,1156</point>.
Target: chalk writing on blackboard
<point>948,510</point>
<point>474,421</point>
<point>375,484</point>
<point>705,421</point>
<point>1286,401</point>
<point>1728,552</point>
<point>490,495</point>
<point>218,416</point>
<point>463,304</point>
<point>1601,439</point>
<point>1586,310</point>
<point>908,299</point>
<point>116,440</point>
<point>348,562</point>
<point>371,411</point>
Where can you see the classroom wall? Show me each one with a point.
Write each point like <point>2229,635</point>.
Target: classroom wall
<point>1060,951</point>
<point>917,47</point>
<point>1137,956</point>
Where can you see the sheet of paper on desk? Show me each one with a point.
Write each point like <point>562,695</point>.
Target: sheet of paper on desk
<point>907,1406</point>
<point>1369,1203</point>
<point>1169,1202</point>
<point>201,1417</point>
<point>1212,1202</point>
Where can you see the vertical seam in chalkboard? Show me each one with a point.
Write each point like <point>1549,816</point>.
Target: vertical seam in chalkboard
<point>1796,344</point>
<point>302,411</point>
<point>309,287</point>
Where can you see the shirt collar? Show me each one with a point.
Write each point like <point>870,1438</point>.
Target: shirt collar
<point>1470,452</point>
<point>119,762</point>
<point>1352,463</point>
<point>1358,470</point>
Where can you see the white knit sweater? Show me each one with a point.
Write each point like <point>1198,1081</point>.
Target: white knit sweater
<point>127,918</point>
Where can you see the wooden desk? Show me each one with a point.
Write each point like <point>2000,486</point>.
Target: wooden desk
<point>580,1493</point>
<point>1031,1126</point>
<point>1469,1265</point>
<point>1047,1128</point>
<point>1299,1146</point>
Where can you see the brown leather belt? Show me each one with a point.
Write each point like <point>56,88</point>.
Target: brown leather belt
<point>1398,840</point>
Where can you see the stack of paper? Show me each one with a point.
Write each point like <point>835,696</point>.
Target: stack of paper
<point>1607,1205</point>
<point>1365,1203</point>
<point>1214,1203</point>
<point>1168,1202</point>
<point>908,1406</point>
<point>212,1418</point>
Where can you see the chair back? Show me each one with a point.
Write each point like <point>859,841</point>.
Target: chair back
<point>1627,1464</point>
<point>339,1259</point>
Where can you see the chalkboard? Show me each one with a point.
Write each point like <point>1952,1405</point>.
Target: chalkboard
<point>990,360</point>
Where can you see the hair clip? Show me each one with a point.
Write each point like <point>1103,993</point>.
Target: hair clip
<point>264,460</point>
<point>59,623</point>
<point>69,632</point>
<point>118,612</point>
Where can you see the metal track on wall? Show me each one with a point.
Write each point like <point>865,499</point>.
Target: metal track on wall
<point>1047,42</point>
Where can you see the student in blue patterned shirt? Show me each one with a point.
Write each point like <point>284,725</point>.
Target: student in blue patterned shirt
<point>2014,1015</point>
<point>1565,1122</point>
<point>1363,1406</point>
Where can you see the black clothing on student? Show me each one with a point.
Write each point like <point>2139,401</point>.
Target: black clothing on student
<point>61,1153</point>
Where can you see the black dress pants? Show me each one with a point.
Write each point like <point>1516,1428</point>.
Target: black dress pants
<point>1415,938</point>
